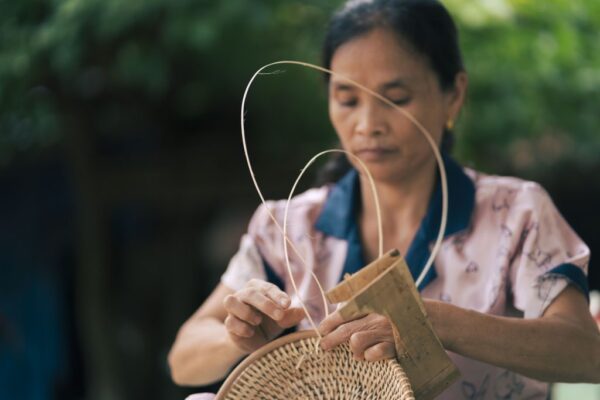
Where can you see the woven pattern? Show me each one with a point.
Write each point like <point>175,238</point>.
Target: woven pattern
<point>297,370</point>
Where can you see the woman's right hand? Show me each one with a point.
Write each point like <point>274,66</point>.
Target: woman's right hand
<point>258,313</point>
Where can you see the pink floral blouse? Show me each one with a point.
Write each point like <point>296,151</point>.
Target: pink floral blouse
<point>506,251</point>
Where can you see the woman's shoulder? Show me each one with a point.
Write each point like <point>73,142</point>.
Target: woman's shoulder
<point>519,216</point>
<point>499,192</point>
<point>505,204</point>
<point>303,210</point>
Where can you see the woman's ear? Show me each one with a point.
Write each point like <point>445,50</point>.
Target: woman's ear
<point>456,96</point>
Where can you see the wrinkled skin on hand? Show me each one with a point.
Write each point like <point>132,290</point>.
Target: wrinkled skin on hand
<point>258,313</point>
<point>371,337</point>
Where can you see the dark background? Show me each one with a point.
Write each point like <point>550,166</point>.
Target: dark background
<point>123,189</point>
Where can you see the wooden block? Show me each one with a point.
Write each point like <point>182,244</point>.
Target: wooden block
<point>386,287</point>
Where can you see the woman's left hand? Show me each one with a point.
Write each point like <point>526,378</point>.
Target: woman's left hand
<point>371,337</point>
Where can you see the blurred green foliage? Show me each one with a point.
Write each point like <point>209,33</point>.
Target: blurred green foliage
<point>535,79</point>
<point>185,60</point>
<point>534,72</point>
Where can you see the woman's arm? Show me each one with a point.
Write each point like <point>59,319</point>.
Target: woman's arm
<point>561,346</point>
<point>228,326</point>
<point>203,352</point>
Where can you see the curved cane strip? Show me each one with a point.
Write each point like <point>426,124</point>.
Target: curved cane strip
<point>420,127</point>
<point>287,206</point>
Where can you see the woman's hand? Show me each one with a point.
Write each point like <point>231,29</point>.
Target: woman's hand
<point>258,313</point>
<point>371,337</point>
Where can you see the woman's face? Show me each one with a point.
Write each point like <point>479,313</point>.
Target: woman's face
<point>389,144</point>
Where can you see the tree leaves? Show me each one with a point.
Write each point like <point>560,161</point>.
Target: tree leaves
<point>534,67</point>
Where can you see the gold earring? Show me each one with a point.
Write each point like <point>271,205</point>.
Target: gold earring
<point>450,124</point>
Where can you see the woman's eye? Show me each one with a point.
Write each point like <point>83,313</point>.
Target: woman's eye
<point>401,101</point>
<point>348,102</point>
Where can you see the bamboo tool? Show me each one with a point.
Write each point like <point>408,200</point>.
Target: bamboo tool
<point>386,287</point>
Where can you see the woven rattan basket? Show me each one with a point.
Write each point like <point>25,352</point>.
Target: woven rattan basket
<point>289,368</point>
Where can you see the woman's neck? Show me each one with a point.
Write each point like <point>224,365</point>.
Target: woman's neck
<point>403,206</point>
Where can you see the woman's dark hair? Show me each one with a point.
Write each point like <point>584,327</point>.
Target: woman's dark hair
<point>425,25</point>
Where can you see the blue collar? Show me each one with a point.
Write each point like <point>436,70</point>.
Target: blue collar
<point>338,218</point>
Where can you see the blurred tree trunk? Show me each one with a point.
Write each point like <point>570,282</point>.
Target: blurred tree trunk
<point>92,273</point>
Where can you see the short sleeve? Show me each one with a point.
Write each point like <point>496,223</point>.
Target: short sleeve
<point>262,254</point>
<point>253,258</point>
<point>549,254</point>
<point>245,265</point>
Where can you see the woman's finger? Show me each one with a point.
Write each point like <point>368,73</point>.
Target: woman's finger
<point>257,299</point>
<point>239,327</point>
<point>376,327</point>
<point>381,351</point>
<point>271,291</point>
<point>341,334</point>
<point>362,340</point>
<point>292,317</point>
<point>277,295</point>
<point>242,310</point>
<point>330,323</point>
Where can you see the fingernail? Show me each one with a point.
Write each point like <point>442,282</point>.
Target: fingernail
<point>283,301</point>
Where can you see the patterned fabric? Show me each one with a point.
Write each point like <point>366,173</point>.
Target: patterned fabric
<point>201,396</point>
<point>506,251</point>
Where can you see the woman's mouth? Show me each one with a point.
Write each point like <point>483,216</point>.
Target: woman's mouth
<point>375,153</point>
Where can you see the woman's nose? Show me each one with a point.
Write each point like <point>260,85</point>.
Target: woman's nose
<point>370,121</point>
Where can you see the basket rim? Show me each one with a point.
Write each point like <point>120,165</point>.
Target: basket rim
<point>292,337</point>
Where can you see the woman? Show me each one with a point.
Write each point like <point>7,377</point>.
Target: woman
<point>508,294</point>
